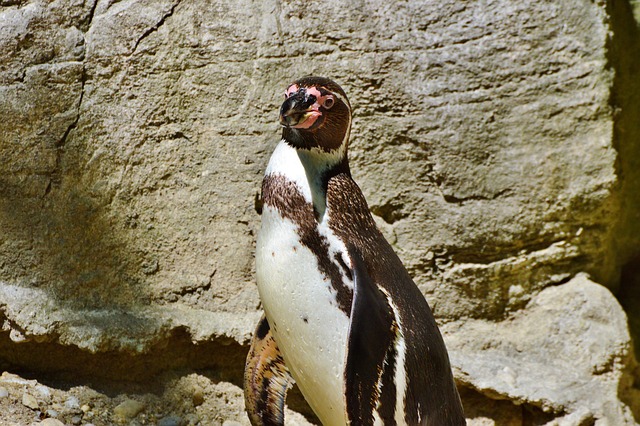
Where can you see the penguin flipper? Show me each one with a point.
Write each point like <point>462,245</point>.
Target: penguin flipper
<point>372,332</point>
<point>266,379</point>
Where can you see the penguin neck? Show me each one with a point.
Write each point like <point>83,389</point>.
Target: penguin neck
<point>319,167</point>
<point>310,170</point>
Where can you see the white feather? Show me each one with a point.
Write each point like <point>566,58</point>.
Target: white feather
<point>292,289</point>
<point>400,378</point>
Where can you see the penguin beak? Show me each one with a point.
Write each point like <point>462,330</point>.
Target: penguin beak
<point>299,110</point>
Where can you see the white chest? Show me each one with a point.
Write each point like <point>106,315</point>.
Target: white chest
<point>299,300</point>
<point>310,329</point>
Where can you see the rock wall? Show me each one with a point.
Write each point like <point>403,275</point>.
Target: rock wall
<point>497,144</point>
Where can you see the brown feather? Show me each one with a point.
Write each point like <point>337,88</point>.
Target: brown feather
<point>266,379</point>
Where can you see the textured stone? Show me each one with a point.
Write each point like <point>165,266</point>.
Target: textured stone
<point>581,324</point>
<point>72,403</point>
<point>51,422</point>
<point>44,392</point>
<point>495,141</point>
<point>128,409</point>
<point>170,421</point>
<point>166,120</point>
<point>30,401</point>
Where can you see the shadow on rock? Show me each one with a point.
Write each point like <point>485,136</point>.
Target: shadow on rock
<point>70,246</point>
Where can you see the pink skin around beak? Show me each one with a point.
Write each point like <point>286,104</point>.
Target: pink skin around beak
<point>312,113</point>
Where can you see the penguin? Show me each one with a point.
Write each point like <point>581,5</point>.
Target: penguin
<point>343,318</point>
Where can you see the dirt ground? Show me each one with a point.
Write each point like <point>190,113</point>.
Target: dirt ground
<point>185,399</point>
<point>176,400</point>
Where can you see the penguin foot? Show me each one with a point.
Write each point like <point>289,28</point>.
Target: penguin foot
<point>266,379</point>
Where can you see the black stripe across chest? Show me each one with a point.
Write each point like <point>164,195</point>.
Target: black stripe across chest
<point>285,196</point>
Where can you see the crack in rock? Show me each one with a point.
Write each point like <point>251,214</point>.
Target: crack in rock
<point>155,28</point>
<point>85,25</point>
<point>455,200</point>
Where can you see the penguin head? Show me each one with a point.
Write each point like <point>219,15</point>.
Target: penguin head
<point>316,114</point>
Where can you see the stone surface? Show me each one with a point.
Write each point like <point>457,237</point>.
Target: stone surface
<point>72,403</point>
<point>142,181</point>
<point>30,401</point>
<point>128,409</point>
<point>51,422</point>
<point>581,324</point>
<point>224,402</point>
<point>170,421</point>
<point>495,141</point>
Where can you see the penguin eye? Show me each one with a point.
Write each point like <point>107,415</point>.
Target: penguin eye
<point>328,102</point>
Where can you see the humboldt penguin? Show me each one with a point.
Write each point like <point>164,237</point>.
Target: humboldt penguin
<point>343,318</point>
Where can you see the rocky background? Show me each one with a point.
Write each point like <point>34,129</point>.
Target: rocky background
<point>498,144</point>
